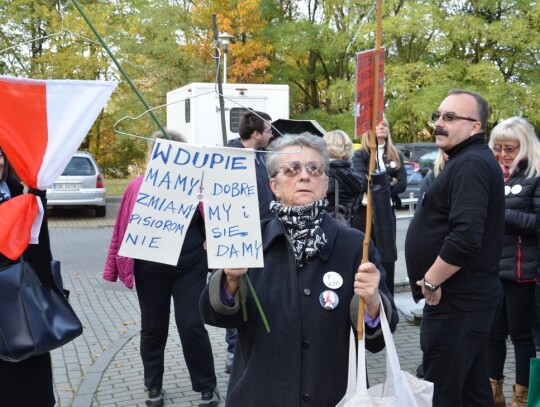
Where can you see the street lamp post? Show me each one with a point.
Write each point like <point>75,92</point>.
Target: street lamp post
<point>225,40</point>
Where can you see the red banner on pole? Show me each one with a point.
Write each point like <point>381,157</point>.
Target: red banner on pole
<point>364,90</point>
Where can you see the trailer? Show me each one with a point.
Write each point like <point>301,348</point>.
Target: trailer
<point>194,109</point>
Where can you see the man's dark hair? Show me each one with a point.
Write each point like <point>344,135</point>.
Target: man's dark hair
<point>252,121</point>
<point>481,104</point>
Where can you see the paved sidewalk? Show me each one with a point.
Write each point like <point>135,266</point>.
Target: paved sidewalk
<point>103,368</point>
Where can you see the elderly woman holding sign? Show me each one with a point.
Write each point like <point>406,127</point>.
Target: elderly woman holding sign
<point>309,290</point>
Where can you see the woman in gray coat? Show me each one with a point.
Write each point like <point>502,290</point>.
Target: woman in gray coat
<point>309,289</point>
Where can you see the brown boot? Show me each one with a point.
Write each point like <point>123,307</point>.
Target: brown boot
<point>497,389</point>
<point>519,399</point>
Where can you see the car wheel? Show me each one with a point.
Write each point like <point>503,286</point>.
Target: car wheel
<point>101,211</point>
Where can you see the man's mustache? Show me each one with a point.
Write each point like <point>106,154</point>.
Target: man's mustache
<point>439,131</point>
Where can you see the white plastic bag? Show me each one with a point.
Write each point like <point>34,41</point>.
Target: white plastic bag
<point>400,389</point>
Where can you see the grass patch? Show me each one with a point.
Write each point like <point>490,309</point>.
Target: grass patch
<point>116,186</point>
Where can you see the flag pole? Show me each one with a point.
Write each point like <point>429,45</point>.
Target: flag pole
<point>372,155</point>
<point>119,66</point>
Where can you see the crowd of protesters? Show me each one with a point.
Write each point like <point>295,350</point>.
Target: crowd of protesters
<point>476,267</point>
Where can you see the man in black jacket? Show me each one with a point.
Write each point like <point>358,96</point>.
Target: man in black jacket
<point>255,132</point>
<point>452,252</point>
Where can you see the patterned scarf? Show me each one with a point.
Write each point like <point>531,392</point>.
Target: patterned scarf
<point>506,173</point>
<point>302,226</point>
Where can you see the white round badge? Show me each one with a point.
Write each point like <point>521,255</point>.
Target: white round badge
<point>332,280</point>
<point>516,189</point>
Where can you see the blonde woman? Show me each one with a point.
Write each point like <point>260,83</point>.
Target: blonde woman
<point>388,159</point>
<point>517,149</point>
<point>341,173</point>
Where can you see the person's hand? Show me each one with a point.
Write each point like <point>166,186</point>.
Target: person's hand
<point>232,279</point>
<point>432,297</point>
<point>366,286</point>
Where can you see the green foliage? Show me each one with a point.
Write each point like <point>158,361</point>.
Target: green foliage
<point>431,47</point>
<point>128,158</point>
<point>340,121</point>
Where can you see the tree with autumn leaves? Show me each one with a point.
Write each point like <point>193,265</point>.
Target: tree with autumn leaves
<point>489,46</point>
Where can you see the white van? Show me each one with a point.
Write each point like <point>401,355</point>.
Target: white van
<point>194,109</point>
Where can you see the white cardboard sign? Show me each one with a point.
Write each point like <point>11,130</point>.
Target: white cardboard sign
<point>178,177</point>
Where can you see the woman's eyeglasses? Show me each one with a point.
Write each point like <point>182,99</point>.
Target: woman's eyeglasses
<point>507,150</point>
<point>450,117</point>
<point>293,168</point>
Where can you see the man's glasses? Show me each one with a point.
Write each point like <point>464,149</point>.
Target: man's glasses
<point>450,117</point>
<point>293,168</point>
<point>507,150</point>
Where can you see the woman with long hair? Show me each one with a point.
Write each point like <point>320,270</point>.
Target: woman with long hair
<point>388,159</point>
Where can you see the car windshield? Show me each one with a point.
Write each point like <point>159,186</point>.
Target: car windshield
<point>79,166</point>
<point>432,155</point>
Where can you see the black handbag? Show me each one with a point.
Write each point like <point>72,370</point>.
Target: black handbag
<point>57,276</point>
<point>33,319</point>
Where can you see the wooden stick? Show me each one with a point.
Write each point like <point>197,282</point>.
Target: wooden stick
<point>372,155</point>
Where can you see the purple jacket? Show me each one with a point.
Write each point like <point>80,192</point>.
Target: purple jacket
<point>119,267</point>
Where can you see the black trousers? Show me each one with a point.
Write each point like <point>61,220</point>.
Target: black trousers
<point>536,328</point>
<point>516,318</point>
<point>358,221</point>
<point>154,289</point>
<point>28,383</point>
<point>455,346</point>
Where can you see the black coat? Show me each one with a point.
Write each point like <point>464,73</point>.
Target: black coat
<point>29,383</point>
<point>361,164</point>
<point>520,260</point>
<point>350,185</point>
<point>304,358</point>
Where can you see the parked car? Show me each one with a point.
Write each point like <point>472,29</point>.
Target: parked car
<point>413,151</point>
<point>427,160</point>
<point>81,184</point>
<point>414,179</point>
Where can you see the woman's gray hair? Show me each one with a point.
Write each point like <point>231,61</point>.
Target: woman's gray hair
<point>305,139</point>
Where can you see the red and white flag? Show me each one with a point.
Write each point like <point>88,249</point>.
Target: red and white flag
<point>42,124</point>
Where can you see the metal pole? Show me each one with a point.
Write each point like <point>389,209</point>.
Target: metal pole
<point>220,87</point>
<point>124,73</point>
<point>224,66</point>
